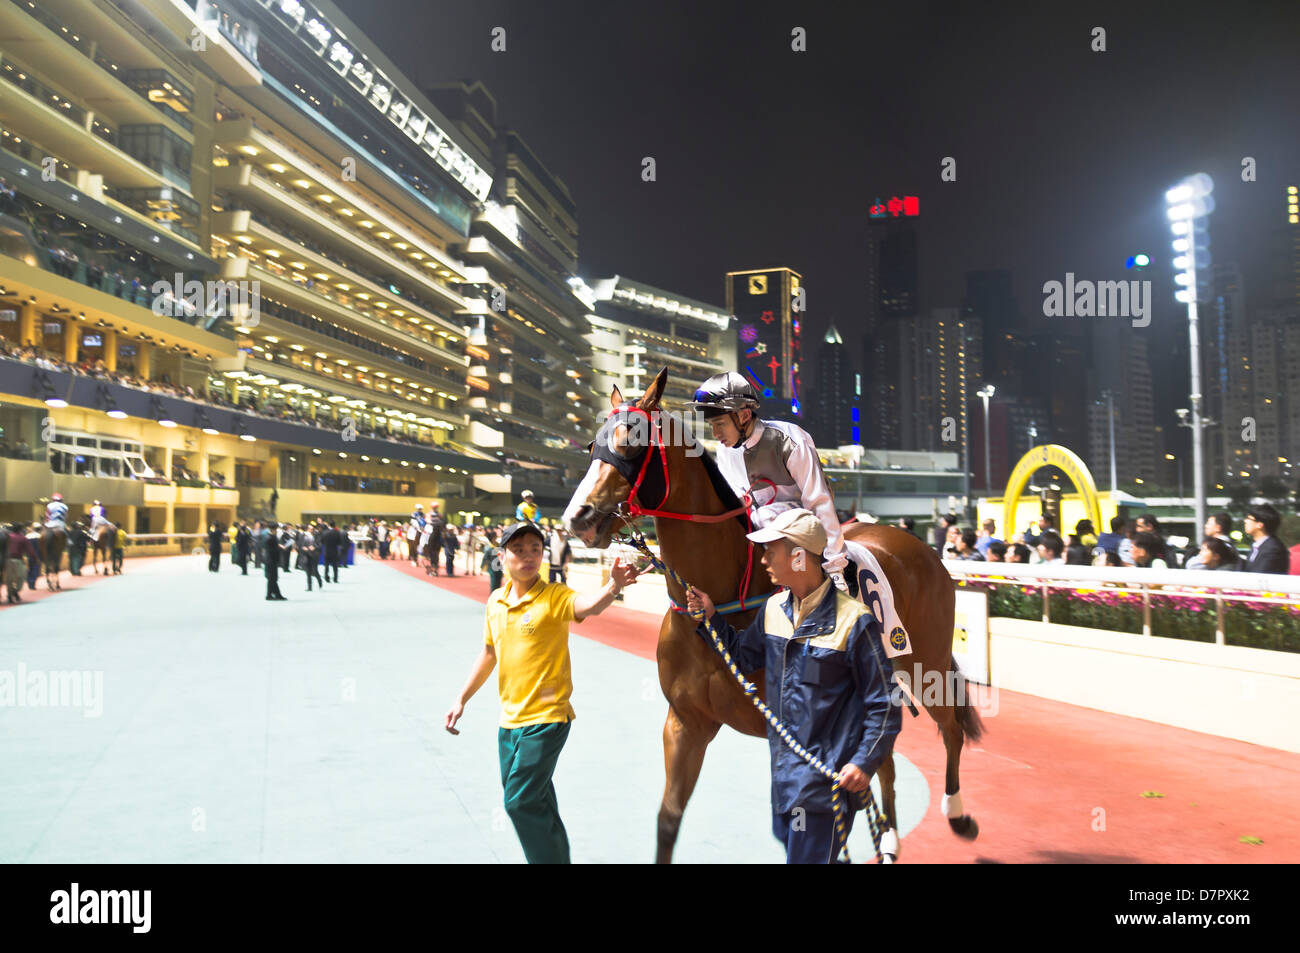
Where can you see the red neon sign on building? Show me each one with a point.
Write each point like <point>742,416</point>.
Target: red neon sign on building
<point>908,206</point>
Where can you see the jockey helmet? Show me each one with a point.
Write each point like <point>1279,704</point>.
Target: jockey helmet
<point>725,394</point>
<point>57,496</point>
<point>527,494</point>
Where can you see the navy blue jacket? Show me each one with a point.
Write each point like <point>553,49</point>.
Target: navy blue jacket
<point>828,681</point>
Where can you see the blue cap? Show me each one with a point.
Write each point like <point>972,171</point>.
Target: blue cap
<point>510,532</point>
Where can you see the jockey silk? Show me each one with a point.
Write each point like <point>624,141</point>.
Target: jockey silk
<point>783,453</point>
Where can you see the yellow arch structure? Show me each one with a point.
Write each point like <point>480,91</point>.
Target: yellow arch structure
<point>1051,455</point>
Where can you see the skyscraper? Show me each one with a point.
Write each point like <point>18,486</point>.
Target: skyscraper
<point>945,369</point>
<point>891,289</point>
<point>836,408</point>
<point>766,303</point>
<point>1285,263</point>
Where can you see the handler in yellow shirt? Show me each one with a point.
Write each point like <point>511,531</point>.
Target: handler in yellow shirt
<point>527,631</point>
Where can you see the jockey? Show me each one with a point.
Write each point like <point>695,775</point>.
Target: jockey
<point>773,461</point>
<point>97,517</point>
<point>526,511</point>
<point>56,513</point>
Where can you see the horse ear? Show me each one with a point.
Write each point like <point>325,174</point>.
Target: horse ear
<point>615,398</point>
<point>650,399</point>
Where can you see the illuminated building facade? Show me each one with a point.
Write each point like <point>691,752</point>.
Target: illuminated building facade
<point>234,251</point>
<point>767,306</point>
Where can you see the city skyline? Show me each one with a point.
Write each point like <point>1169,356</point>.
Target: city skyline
<point>596,96</point>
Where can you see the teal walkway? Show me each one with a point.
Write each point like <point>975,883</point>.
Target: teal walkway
<point>235,730</point>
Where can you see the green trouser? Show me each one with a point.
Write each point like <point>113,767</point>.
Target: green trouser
<point>528,757</point>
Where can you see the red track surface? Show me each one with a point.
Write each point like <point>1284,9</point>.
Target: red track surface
<point>67,580</point>
<point>1043,769</point>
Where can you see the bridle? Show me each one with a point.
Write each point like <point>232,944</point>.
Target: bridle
<point>631,509</point>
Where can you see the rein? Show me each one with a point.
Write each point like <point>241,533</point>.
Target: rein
<point>632,510</point>
<point>874,819</point>
<point>635,510</point>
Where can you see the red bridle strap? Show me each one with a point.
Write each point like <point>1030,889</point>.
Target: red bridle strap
<point>636,510</point>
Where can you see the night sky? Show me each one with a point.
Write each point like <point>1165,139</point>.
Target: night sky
<point>768,156</point>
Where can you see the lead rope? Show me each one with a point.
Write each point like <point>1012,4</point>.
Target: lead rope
<point>874,818</point>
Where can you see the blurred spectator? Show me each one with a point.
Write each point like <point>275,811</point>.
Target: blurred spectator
<point>986,537</point>
<point>1267,553</point>
<point>997,552</point>
<point>1215,554</point>
<point>1144,549</point>
<point>1046,524</point>
<point>1018,553</point>
<point>1217,526</point>
<point>1050,546</point>
<point>966,547</point>
<point>941,529</point>
<point>1110,542</point>
<point>1076,553</point>
<point>1147,523</point>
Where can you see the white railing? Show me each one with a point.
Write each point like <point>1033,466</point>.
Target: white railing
<point>1223,587</point>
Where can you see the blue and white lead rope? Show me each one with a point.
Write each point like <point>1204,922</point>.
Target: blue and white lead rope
<point>874,818</point>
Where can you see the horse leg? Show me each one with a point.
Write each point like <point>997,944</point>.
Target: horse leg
<point>962,824</point>
<point>889,847</point>
<point>684,747</point>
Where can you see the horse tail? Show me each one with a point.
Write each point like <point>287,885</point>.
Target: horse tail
<point>968,719</point>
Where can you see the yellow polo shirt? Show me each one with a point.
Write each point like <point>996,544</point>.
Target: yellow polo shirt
<point>531,640</point>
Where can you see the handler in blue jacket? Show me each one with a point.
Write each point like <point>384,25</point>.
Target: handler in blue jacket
<point>828,680</point>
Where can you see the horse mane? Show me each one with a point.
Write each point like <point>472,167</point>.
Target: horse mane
<point>720,485</point>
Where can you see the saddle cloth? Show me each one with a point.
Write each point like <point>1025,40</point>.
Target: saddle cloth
<point>876,595</point>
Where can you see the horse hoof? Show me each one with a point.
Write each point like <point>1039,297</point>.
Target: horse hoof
<point>964,827</point>
<point>888,859</point>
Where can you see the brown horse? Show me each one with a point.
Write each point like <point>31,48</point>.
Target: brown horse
<point>672,474</point>
<point>101,541</point>
<point>53,543</point>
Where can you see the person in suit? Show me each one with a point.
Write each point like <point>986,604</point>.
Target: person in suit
<point>332,543</point>
<point>258,543</point>
<point>309,556</point>
<point>78,539</point>
<point>450,543</point>
<point>271,562</point>
<point>215,536</point>
<point>1267,553</point>
<point>243,543</point>
<point>287,538</point>
<point>940,534</point>
<point>436,527</point>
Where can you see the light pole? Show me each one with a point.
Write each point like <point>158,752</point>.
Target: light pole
<point>1110,416</point>
<point>986,392</point>
<point>1190,202</point>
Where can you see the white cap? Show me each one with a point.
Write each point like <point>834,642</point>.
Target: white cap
<point>799,526</point>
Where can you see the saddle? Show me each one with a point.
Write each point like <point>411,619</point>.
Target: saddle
<point>870,586</point>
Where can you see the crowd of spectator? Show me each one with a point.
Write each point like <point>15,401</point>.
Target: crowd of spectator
<point>162,385</point>
<point>1139,543</point>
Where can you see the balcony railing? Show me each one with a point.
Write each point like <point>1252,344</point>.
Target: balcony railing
<point>83,46</point>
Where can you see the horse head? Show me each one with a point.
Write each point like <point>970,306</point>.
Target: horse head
<point>629,440</point>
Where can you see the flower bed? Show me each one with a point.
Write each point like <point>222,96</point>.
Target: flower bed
<point>1260,625</point>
